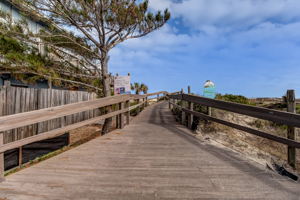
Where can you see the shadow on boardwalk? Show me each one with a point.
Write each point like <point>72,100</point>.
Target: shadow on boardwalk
<point>270,179</point>
<point>153,158</point>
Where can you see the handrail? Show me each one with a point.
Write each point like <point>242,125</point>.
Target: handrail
<point>281,117</point>
<point>139,96</point>
<point>31,117</point>
<point>287,118</point>
<point>56,132</point>
<point>28,118</point>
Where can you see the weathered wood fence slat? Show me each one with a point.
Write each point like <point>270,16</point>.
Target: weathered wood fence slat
<point>15,100</point>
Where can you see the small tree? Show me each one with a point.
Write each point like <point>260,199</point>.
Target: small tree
<point>136,87</point>
<point>103,24</point>
<point>139,88</point>
<point>144,88</point>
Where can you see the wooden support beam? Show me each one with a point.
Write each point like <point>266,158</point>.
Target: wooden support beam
<point>121,116</point>
<point>20,156</point>
<point>117,117</point>
<point>175,102</point>
<point>281,117</point>
<point>291,119</point>
<point>28,118</point>
<point>56,132</point>
<point>135,106</point>
<point>138,108</point>
<point>143,104</point>
<point>291,107</point>
<point>275,138</point>
<point>127,113</point>
<point>191,107</point>
<point>1,159</point>
<point>183,114</point>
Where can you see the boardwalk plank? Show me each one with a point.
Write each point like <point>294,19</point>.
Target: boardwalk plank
<point>152,158</point>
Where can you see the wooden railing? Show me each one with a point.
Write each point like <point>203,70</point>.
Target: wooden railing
<point>291,119</point>
<point>28,118</point>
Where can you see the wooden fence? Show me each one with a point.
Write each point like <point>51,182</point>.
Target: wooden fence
<point>15,100</point>
<point>25,119</point>
<point>292,120</point>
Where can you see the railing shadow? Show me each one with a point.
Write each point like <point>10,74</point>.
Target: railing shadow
<point>167,121</point>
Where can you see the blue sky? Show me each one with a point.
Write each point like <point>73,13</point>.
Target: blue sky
<point>247,47</point>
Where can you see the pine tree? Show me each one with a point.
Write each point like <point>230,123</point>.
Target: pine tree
<point>101,25</point>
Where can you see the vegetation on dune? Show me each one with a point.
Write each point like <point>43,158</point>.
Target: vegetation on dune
<point>234,98</point>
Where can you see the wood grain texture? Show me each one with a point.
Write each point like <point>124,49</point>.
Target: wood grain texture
<point>28,118</point>
<point>136,106</point>
<point>291,132</point>
<point>282,140</point>
<point>154,158</point>
<point>57,132</point>
<point>281,117</point>
<point>1,159</point>
<point>15,100</point>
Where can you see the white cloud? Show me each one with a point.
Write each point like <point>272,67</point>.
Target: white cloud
<point>199,13</point>
<point>256,36</point>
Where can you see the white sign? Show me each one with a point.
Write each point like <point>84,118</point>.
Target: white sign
<point>122,85</point>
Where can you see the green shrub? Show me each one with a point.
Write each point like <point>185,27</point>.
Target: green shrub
<point>234,98</point>
<point>298,108</point>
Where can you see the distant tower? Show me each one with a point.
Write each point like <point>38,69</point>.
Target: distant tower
<point>209,89</point>
<point>208,84</point>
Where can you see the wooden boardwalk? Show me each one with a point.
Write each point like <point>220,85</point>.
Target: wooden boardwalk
<point>153,158</point>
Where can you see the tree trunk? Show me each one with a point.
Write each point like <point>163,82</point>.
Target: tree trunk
<point>106,90</point>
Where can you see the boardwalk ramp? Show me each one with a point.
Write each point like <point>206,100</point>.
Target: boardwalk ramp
<point>152,158</point>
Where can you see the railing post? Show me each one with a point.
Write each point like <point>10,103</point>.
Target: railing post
<point>183,116</point>
<point>128,113</point>
<point>291,107</point>
<point>1,158</point>
<point>191,108</point>
<point>157,97</point>
<point>146,103</point>
<point>138,108</point>
<point>117,117</point>
<point>143,105</point>
<point>20,156</point>
<point>121,116</point>
<point>175,102</point>
<point>208,111</point>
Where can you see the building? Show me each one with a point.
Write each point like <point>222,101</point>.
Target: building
<point>35,24</point>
